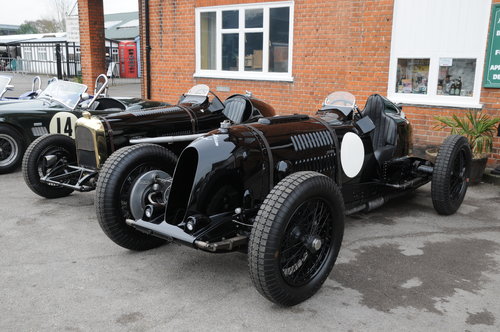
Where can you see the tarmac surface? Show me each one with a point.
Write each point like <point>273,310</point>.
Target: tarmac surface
<point>401,267</point>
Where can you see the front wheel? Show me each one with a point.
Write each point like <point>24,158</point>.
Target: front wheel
<point>296,237</point>
<point>11,149</point>
<point>450,177</point>
<point>63,151</point>
<point>130,179</point>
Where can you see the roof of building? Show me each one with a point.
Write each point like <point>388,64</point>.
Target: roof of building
<point>16,39</point>
<point>9,27</point>
<point>121,26</point>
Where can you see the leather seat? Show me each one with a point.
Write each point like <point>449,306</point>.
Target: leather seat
<point>385,133</point>
<point>237,109</point>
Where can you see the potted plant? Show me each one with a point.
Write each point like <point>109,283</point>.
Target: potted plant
<point>479,128</point>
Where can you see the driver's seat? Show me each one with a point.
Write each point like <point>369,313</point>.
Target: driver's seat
<point>237,109</point>
<point>385,133</point>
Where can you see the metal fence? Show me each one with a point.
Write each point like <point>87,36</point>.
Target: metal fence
<point>58,59</point>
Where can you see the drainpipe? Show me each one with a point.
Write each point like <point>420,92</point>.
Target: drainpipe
<point>147,49</point>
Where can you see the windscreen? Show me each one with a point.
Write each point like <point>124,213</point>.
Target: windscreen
<point>196,95</point>
<point>341,100</point>
<point>67,93</point>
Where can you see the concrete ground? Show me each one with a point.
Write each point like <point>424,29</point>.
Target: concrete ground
<point>118,87</point>
<point>401,267</point>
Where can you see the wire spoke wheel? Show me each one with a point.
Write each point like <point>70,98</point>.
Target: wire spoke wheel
<point>296,237</point>
<point>50,155</point>
<point>306,243</point>
<point>458,176</point>
<point>450,176</point>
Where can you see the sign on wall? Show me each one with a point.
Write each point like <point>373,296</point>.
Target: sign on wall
<point>492,66</point>
<point>72,29</point>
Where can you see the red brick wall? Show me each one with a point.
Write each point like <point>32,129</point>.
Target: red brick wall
<point>330,52</point>
<point>340,45</point>
<point>91,18</point>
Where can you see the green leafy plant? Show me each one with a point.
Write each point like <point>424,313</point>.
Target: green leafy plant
<point>479,128</point>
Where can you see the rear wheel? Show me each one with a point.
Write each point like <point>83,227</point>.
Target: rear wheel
<point>450,178</point>
<point>63,151</point>
<point>130,179</point>
<point>296,237</point>
<point>11,149</point>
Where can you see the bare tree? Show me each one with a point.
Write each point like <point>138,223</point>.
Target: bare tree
<point>61,8</point>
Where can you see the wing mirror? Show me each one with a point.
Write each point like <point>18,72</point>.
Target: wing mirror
<point>85,96</point>
<point>9,87</point>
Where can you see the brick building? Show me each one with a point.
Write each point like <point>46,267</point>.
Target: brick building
<point>428,55</point>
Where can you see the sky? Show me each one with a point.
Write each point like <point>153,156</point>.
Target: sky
<point>17,11</point>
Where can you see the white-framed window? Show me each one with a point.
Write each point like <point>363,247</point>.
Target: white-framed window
<point>42,53</point>
<point>437,52</point>
<point>27,53</point>
<point>245,41</point>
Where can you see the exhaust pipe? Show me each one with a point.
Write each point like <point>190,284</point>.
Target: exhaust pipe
<point>166,139</point>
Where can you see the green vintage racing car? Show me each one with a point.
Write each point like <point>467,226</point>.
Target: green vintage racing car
<point>55,110</point>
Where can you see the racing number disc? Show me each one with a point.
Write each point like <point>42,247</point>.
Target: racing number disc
<point>352,154</point>
<point>63,123</point>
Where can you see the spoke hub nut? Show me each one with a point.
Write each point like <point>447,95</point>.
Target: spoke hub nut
<point>316,244</point>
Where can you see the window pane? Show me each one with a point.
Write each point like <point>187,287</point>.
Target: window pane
<point>230,49</point>
<point>253,51</point>
<point>254,18</point>
<point>230,19</point>
<point>279,26</point>
<point>208,40</point>
<point>412,76</point>
<point>456,77</point>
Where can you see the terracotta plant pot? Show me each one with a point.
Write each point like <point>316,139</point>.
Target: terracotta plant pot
<point>477,170</point>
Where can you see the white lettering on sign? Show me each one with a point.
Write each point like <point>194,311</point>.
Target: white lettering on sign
<point>497,52</point>
<point>498,33</point>
<point>496,76</point>
<point>495,67</point>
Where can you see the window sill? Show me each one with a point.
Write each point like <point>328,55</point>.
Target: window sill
<point>433,102</point>
<point>246,76</point>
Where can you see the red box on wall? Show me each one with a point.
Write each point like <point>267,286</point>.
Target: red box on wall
<point>128,59</point>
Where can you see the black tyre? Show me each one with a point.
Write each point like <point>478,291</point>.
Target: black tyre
<point>296,237</point>
<point>450,178</point>
<point>126,185</point>
<point>34,167</point>
<point>11,149</point>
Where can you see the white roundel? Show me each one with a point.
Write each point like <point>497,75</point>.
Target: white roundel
<point>63,123</point>
<point>352,154</point>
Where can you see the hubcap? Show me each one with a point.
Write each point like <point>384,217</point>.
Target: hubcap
<point>8,150</point>
<point>150,188</point>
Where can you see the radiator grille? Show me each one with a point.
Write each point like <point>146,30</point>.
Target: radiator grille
<point>85,148</point>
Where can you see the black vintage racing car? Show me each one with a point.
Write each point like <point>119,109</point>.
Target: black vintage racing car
<point>278,189</point>
<point>56,165</point>
<point>54,110</point>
